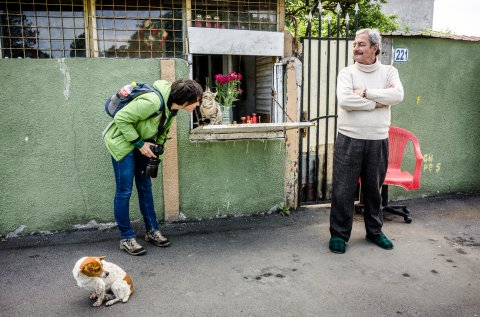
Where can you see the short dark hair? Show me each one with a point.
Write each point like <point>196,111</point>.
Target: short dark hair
<point>185,90</point>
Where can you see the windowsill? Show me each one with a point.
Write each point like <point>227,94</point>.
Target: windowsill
<point>258,131</point>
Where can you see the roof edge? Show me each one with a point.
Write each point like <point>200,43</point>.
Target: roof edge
<point>435,34</point>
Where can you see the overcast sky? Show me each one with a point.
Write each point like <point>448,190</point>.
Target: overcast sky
<point>458,16</point>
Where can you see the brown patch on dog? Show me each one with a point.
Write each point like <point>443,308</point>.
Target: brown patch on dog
<point>92,266</point>
<point>129,282</point>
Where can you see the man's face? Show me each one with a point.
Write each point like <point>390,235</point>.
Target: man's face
<point>363,52</point>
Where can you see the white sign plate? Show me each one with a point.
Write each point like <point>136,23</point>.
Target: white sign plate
<point>401,55</point>
<point>235,42</point>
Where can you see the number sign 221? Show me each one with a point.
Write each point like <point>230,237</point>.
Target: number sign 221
<point>401,54</point>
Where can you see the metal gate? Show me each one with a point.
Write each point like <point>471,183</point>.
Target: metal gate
<point>323,58</point>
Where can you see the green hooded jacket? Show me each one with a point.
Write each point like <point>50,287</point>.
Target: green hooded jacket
<point>133,122</point>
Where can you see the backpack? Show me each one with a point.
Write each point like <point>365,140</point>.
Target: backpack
<point>126,94</point>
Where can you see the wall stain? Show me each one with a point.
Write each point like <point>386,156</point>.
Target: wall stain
<point>66,77</point>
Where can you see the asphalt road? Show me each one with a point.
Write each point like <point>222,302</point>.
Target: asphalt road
<point>263,266</point>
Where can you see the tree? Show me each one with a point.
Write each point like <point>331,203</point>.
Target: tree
<point>369,16</point>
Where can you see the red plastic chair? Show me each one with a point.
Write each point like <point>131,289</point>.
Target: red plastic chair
<point>398,139</point>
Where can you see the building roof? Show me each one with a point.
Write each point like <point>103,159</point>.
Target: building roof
<point>436,35</point>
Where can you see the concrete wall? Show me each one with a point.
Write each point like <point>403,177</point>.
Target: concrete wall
<point>413,15</point>
<point>56,173</point>
<point>442,107</point>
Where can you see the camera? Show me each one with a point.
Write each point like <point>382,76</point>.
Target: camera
<point>152,165</point>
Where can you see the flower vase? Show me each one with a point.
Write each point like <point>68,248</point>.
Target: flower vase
<point>227,115</point>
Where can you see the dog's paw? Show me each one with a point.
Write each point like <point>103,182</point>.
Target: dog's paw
<point>93,296</point>
<point>97,303</point>
<point>111,302</point>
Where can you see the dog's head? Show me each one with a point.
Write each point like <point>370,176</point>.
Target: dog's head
<point>92,267</point>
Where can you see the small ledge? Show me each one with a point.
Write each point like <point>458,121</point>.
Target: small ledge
<point>258,131</point>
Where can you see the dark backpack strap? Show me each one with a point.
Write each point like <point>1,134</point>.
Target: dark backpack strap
<point>162,102</point>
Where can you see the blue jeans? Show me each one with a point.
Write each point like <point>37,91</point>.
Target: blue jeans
<point>130,167</point>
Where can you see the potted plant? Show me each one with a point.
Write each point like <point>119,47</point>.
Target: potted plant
<point>228,90</point>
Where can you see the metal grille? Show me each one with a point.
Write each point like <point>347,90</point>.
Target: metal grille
<point>236,14</point>
<point>144,29</point>
<point>42,30</point>
<point>323,58</point>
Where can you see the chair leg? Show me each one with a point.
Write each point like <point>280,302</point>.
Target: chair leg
<point>399,210</point>
<point>359,206</point>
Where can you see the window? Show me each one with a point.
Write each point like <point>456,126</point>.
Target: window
<point>145,29</point>
<point>256,85</point>
<point>264,86</point>
<point>55,29</point>
<point>42,30</point>
<point>258,15</point>
<point>243,36</point>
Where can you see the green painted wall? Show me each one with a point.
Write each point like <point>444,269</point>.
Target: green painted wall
<point>442,108</point>
<point>54,168</point>
<point>230,178</point>
<point>56,173</point>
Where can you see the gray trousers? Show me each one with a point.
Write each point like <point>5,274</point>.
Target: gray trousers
<point>352,159</point>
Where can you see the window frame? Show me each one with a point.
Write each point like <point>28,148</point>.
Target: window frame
<point>90,28</point>
<point>258,131</point>
<point>39,17</point>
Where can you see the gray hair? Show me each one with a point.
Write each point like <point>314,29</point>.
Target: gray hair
<point>374,37</point>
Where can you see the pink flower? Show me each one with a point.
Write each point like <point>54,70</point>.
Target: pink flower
<point>220,78</point>
<point>227,88</point>
<point>235,76</point>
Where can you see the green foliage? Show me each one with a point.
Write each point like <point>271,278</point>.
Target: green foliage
<point>369,16</point>
<point>283,209</point>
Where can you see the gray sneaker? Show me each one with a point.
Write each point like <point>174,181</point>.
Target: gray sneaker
<point>156,238</point>
<point>132,247</point>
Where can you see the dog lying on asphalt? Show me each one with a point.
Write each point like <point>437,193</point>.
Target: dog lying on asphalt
<point>100,276</point>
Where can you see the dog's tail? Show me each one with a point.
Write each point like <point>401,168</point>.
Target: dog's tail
<point>128,279</point>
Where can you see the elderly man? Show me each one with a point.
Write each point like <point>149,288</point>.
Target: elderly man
<point>365,92</point>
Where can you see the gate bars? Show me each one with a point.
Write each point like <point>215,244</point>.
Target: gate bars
<point>319,97</point>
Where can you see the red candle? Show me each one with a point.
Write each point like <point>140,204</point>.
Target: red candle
<point>198,22</point>
<point>208,21</point>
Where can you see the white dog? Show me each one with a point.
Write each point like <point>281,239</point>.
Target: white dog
<point>100,276</point>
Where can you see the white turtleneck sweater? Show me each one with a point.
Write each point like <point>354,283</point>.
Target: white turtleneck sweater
<point>358,118</point>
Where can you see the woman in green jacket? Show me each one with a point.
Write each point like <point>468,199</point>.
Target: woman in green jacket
<point>129,138</point>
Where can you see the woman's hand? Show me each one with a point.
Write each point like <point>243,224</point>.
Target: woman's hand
<point>145,150</point>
